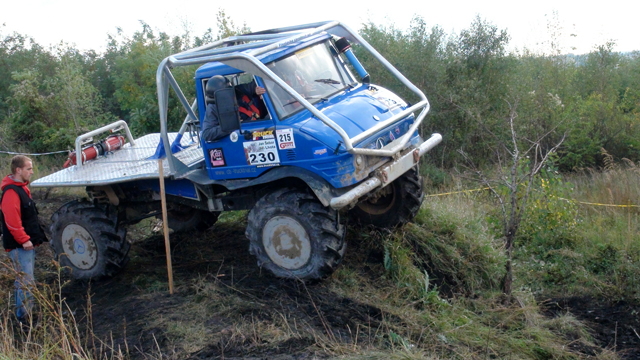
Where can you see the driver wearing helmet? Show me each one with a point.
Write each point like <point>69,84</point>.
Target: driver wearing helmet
<point>251,107</point>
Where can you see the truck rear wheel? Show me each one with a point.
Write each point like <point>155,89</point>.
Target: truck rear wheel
<point>394,205</point>
<point>294,236</point>
<point>88,240</point>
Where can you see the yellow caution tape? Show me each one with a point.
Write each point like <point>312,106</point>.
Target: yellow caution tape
<point>598,204</point>
<point>457,192</point>
<point>575,201</point>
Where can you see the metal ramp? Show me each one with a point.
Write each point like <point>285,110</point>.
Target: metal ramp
<point>127,164</point>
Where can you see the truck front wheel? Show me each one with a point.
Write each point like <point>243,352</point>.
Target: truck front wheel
<point>294,236</point>
<point>88,240</point>
<point>393,205</point>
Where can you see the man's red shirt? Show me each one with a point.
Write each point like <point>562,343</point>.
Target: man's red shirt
<point>11,209</point>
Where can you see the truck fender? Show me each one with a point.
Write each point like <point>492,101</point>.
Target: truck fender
<point>320,187</point>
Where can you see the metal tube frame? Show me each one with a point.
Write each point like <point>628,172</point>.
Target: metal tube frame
<point>270,40</point>
<point>389,172</point>
<point>115,125</point>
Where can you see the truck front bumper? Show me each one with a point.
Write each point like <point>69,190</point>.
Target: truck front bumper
<point>386,174</point>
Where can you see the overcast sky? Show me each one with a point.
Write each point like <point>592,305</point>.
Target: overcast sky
<point>87,23</point>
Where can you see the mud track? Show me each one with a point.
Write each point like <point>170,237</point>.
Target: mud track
<point>134,312</point>
<point>615,326</point>
<point>233,305</point>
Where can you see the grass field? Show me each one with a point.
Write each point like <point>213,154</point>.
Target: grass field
<point>429,290</point>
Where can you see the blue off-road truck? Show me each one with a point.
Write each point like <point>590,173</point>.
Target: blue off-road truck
<point>331,145</point>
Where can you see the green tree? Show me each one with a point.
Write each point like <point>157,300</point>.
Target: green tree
<point>135,62</point>
<point>599,73</point>
<point>226,26</point>
<point>20,53</point>
<point>478,77</point>
<point>32,107</point>
<point>79,101</point>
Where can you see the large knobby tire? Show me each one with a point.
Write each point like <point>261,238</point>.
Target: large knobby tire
<point>186,219</point>
<point>88,240</point>
<point>397,203</point>
<point>294,236</point>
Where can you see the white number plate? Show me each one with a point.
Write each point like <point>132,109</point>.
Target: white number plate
<point>285,139</point>
<point>261,152</point>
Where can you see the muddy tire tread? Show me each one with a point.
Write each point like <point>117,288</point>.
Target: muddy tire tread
<point>113,248</point>
<point>410,197</point>
<point>322,223</point>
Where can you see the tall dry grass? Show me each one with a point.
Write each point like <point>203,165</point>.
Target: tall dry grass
<point>607,236</point>
<point>616,184</point>
<point>54,330</point>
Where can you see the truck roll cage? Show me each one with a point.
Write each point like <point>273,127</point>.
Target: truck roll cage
<point>243,56</point>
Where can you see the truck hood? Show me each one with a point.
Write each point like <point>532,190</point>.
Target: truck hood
<point>355,112</point>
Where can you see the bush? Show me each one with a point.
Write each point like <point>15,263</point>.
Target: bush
<point>551,216</point>
<point>447,247</point>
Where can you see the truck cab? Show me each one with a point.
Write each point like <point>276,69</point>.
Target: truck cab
<point>290,135</point>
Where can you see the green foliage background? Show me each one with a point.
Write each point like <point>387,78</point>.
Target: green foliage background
<point>49,96</point>
<point>472,82</point>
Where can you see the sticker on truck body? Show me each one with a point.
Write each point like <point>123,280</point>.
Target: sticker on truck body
<point>262,135</point>
<point>261,153</point>
<point>217,157</point>
<point>320,152</point>
<point>285,139</point>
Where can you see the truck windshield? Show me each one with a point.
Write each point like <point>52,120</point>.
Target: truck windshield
<point>314,72</point>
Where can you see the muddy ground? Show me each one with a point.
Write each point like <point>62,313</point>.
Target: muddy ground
<point>614,326</point>
<point>133,310</point>
<point>224,304</point>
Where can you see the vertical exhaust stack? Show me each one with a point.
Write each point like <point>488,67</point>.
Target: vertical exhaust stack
<point>345,48</point>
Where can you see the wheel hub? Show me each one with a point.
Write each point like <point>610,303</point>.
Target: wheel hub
<point>379,203</point>
<point>79,246</point>
<point>286,242</point>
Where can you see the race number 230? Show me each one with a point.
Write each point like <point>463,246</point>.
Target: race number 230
<point>261,152</point>
<point>262,157</point>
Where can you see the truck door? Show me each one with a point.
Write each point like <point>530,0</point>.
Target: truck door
<point>245,153</point>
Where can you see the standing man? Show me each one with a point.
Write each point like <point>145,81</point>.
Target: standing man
<point>21,230</point>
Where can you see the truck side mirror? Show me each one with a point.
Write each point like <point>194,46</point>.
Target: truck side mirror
<point>228,115</point>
